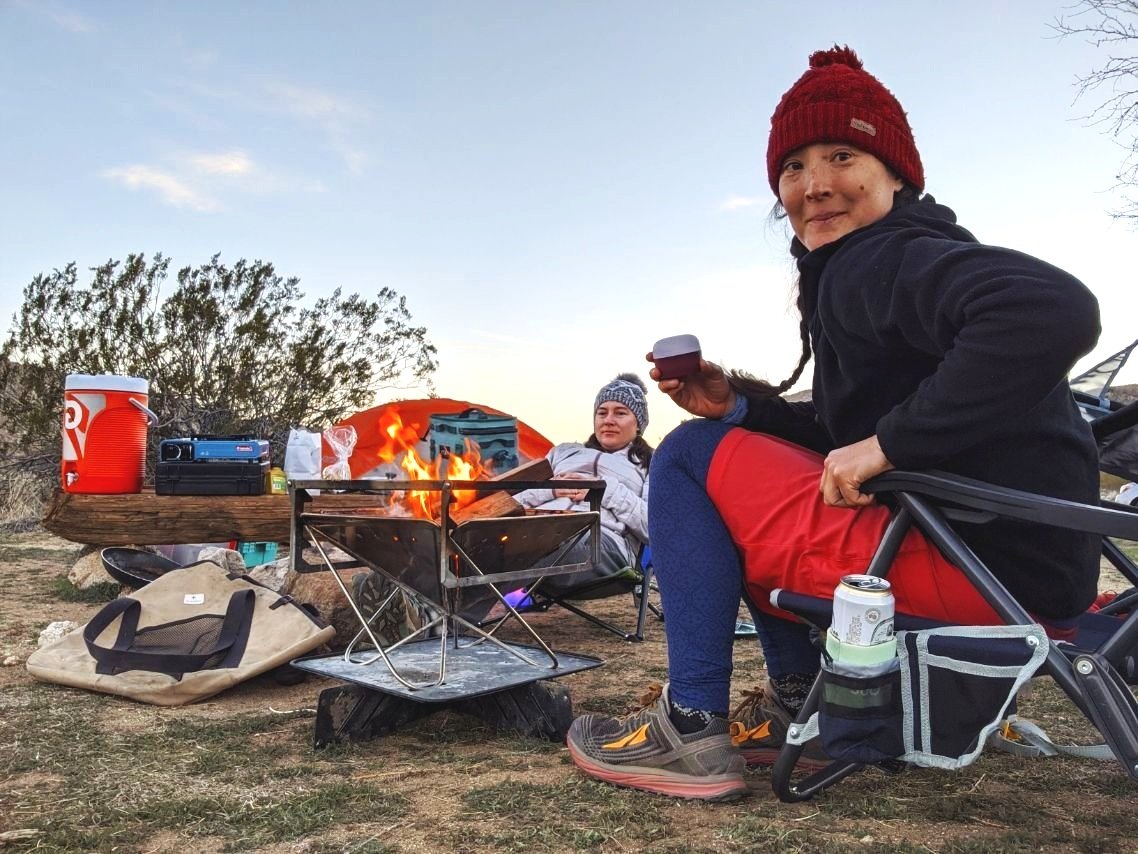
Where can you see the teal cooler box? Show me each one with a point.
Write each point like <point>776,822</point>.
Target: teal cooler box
<point>495,435</point>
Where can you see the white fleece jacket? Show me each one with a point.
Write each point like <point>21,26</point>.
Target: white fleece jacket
<point>624,507</point>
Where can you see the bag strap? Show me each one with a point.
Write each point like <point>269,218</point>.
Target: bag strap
<point>120,656</point>
<point>1021,737</point>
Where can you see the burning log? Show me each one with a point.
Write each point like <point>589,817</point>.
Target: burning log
<point>502,503</point>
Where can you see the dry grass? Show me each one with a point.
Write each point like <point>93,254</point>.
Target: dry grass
<point>23,495</point>
<point>86,772</point>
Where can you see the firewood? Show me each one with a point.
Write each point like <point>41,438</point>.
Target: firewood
<point>148,519</point>
<point>502,503</point>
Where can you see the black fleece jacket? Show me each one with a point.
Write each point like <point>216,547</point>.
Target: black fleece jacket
<point>955,354</point>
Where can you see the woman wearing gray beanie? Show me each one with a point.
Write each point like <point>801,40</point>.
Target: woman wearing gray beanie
<point>617,454</point>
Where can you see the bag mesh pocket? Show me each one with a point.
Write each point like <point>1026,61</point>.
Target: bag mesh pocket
<point>860,718</point>
<point>188,637</point>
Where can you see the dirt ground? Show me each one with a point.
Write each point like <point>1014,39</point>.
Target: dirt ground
<point>81,771</point>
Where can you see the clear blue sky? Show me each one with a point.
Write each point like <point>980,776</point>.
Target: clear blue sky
<point>552,185</point>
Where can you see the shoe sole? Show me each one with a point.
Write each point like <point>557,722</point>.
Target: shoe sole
<point>720,787</point>
<point>760,756</point>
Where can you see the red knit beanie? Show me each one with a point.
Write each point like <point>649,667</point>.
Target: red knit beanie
<point>836,100</point>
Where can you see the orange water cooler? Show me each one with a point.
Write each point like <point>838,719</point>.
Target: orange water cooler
<point>104,433</point>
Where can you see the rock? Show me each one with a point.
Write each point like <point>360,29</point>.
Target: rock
<point>227,559</point>
<point>272,575</point>
<point>54,631</point>
<point>88,569</point>
<point>320,590</point>
<point>11,661</point>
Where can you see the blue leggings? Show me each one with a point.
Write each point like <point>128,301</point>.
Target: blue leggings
<point>701,577</point>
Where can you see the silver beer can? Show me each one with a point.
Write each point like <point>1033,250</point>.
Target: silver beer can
<point>863,610</point>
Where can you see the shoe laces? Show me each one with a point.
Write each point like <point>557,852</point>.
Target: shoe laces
<point>653,693</point>
<point>752,699</point>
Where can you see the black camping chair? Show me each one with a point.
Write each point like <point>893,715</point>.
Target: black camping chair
<point>1096,667</point>
<point>1113,423</point>
<point>1093,670</point>
<point>636,581</point>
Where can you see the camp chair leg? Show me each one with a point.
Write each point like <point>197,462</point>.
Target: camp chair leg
<point>637,635</point>
<point>353,713</point>
<point>1111,707</point>
<point>640,591</point>
<point>646,604</point>
<point>786,789</point>
<point>1119,648</point>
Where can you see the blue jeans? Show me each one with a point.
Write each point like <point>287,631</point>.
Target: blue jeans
<point>701,577</point>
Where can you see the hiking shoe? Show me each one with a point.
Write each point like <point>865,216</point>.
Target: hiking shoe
<point>643,750</point>
<point>758,728</point>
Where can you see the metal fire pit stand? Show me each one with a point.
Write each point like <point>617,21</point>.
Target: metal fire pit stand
<point>443,567</point>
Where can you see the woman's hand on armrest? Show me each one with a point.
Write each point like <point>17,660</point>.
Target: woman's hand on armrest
<point>847,468</point>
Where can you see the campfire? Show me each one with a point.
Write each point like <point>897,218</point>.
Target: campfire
<point>399,448</point>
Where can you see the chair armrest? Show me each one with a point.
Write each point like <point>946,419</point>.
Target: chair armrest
<point>1009,503</point>
<point>1118,419</point>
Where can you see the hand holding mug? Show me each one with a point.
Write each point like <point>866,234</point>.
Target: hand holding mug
<point>704,393</point>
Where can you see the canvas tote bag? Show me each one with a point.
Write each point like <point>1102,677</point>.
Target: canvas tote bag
<point>185,636</point>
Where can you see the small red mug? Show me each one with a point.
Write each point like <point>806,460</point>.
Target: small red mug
<point>677,356</point>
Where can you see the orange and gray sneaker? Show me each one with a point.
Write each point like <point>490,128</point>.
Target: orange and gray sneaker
<point>643,750</point>
<point>758,728</point>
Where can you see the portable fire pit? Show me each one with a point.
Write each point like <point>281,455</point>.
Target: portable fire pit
<point>451,570</point>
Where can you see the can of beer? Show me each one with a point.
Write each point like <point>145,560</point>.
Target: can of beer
<point>863,610</point>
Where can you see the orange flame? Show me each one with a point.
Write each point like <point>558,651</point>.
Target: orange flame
<point>398,446</point>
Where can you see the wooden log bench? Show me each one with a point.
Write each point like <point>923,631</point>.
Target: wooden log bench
<point>145,518</point>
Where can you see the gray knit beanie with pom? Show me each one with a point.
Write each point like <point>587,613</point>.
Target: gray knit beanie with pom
<point>627,390</point>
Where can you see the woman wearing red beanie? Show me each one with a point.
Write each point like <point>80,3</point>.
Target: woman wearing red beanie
<point>930,350</point>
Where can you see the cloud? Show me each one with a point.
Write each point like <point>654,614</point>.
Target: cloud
<point>72,21</point>
<point>337,116</point>
<point>171,189</point>
<point>738,203</point>
<point>61,16</point>
<point>226,163</point>
<point>315,104</point>
<point>196,180</point>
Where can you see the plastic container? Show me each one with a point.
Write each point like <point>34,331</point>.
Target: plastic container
<point>255,554</point>
<point>104,433</point>
<point>277,483</point>
<point>184,554</point>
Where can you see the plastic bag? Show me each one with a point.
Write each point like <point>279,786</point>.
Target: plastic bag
<point>342,440</point>
<point>302,455</point>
